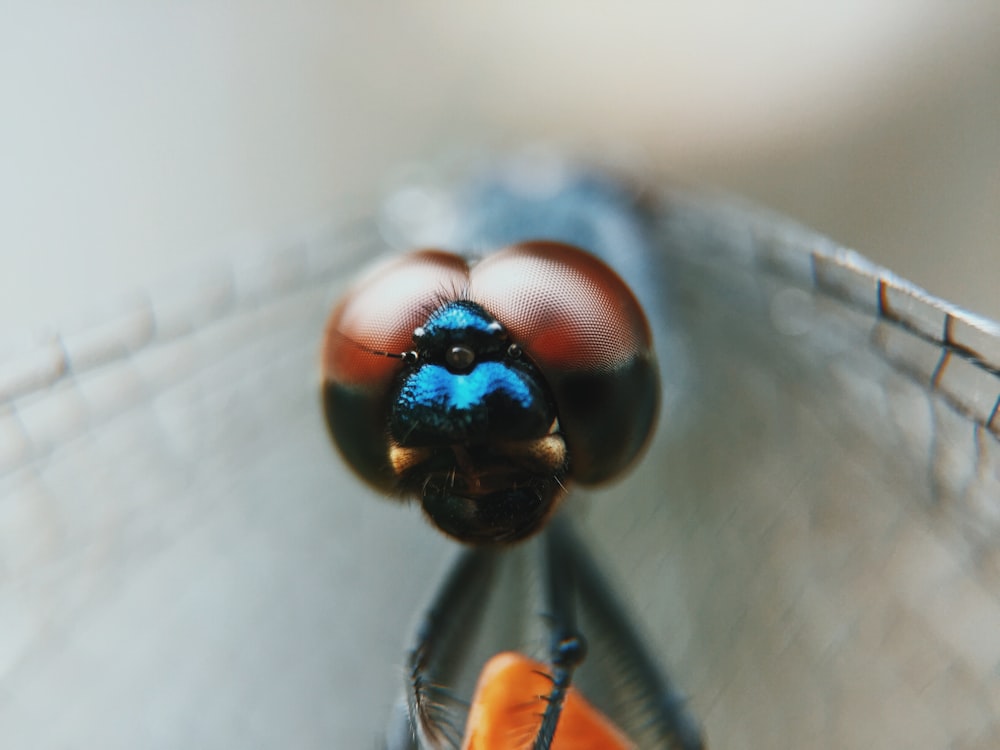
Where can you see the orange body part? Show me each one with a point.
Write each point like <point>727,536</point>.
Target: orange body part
<point>509,702</point>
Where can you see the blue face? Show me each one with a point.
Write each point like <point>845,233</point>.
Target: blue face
<point>484,390</point>
<point>473,429</point>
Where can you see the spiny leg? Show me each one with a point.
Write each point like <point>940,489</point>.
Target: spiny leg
<point>447,625</point>
<point>567,647</point>
<point>663,705</point>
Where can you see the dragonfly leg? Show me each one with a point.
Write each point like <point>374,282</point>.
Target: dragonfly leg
<point>567,647</point>
<point>662,706</point>
<point>446,625</point>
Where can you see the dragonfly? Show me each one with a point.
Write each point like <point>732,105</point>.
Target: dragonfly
<point>807,548</point>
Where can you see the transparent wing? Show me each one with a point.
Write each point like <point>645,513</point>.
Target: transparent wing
<point>810,542</point>
<point>184,561</point>
<point>813,541</point>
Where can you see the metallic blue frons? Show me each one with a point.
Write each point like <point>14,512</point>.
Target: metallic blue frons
<point>494,401</point>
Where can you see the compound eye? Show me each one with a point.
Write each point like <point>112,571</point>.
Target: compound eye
<point>566,309</point>
<point>369,340</point>
<point>578,322</point>
<point>459,358</point>
<point>384,313</point>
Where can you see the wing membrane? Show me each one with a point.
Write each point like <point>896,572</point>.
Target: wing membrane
<point>811,543</point>
<point>823,504</point>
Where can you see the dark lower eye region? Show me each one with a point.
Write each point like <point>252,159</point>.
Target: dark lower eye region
<point>480,446</point>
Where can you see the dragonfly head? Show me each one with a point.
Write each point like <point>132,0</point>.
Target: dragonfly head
<point>484,389</point>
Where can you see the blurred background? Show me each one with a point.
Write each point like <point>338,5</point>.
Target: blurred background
<point>138,138</point>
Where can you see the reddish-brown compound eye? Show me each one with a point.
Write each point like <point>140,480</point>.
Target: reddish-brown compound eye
<point>376,318</point>
<point>581,324</point>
